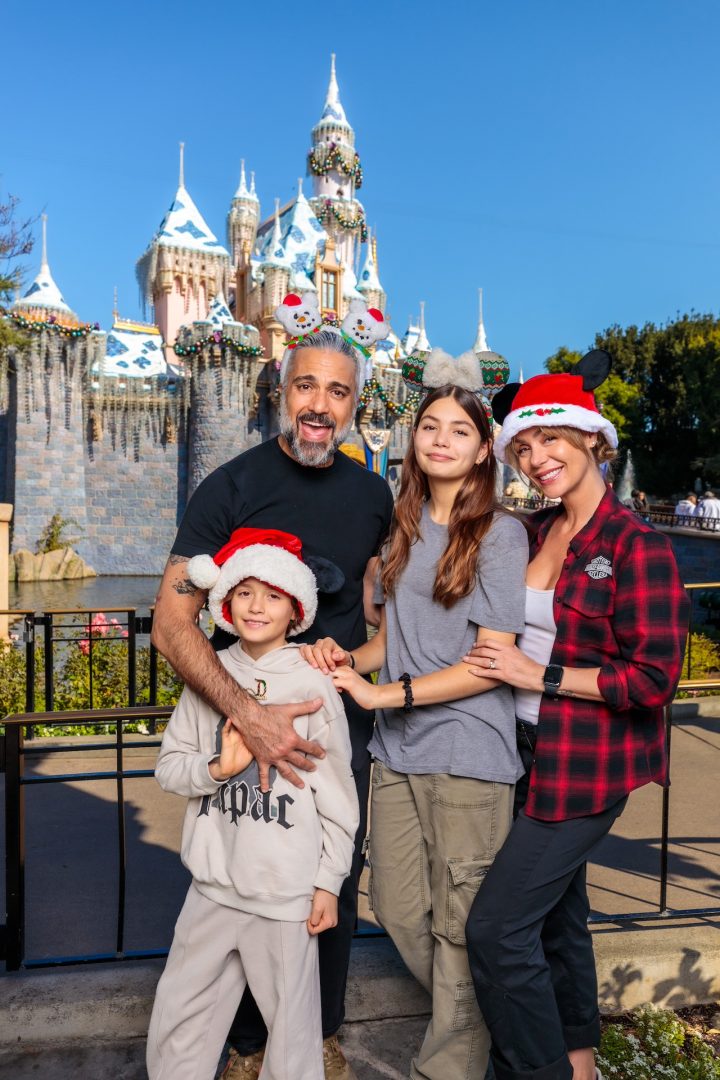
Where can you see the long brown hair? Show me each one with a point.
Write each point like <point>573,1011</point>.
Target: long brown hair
<point>470,518</point>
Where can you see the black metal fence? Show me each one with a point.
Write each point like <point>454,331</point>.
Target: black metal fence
<point>16,751</point>
<point>47,638</point>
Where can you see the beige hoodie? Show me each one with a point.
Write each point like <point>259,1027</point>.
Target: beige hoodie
<point>264,853</point>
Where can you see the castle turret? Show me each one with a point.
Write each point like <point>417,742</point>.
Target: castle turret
<point>337,174</point>
<point>43,299</point>
<point>243,220</point>
<point>369,283</point>
<point>184,267</point>
<point>223,360</point>
<point>44,427</point>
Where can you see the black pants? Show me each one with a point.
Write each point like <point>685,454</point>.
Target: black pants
<point>248,1032</point>
<point>530,949</point>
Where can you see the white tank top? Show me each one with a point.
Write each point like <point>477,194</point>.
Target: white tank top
<point>536,641</point>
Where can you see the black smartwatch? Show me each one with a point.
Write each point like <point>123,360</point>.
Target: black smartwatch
<point>552,678</point>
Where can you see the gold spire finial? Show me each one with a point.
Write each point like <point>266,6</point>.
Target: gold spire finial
<point>115,304</point>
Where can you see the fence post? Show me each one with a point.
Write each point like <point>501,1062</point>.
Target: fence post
<point>47,621</point>
<point>132,657</point>
<point>14,847</point>
<point>6,510</point>
<point>665,819</point>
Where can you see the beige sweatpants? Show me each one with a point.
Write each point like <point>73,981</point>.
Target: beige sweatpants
<point>215,952</point>
<point>432,839</point>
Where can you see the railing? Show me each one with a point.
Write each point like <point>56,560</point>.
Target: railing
<point>16,752</point>
<point>14,755</point>
<point>60,629</point>
<point>683,521</point>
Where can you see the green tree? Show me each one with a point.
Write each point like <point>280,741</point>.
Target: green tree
<point>15,242</point>
<point>663,395</point>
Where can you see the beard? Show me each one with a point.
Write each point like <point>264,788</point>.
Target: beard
<point>313,454</point>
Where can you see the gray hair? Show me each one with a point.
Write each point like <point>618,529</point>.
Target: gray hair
<point>331,340</point>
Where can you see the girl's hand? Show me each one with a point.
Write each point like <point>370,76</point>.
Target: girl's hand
<point>325,655</point>
<point>234,754</point>
<point>490,659</point>
<point>365,693</point>
<point>324,913</point>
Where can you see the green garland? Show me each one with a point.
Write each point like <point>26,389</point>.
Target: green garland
<point>217,338</point>
<point>335,159</point>
<point>357,222</point>
<point>36,326</point>
<point>373,389</point>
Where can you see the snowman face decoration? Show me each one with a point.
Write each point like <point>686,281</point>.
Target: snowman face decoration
<point>299,314</point>
<point>365,325</point>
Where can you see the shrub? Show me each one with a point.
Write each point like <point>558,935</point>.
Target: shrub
<point>657,1046</point>
<point>52,536</point>
<point>705,660</point>
<point>98,650</point>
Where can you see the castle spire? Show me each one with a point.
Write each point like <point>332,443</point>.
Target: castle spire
<point>44,268</point>
<point>181,181</point>
<point>242,191</point>
<point>333,114</point>
<point>481,344</point>
<point>43,296</point>
<point>275,253</point>
<point>422,344</point>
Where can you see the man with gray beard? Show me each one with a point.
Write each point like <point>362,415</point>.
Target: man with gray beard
<point>300,484</point>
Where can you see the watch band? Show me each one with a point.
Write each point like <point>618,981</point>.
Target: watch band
<point>552,678</point>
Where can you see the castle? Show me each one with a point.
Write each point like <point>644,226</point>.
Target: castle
<point>115,429</point>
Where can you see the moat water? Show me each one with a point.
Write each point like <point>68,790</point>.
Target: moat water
<point>93,594</point>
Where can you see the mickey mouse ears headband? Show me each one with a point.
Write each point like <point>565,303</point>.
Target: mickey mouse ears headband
<point>565,400</point>
<point>483,374</point>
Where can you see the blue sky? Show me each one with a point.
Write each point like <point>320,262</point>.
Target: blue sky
<point>563,155</point>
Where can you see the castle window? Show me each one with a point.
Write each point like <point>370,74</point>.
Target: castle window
<point>329,290</point>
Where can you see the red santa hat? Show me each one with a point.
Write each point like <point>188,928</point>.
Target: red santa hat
<point>271,556</point>
<point>565,400</point>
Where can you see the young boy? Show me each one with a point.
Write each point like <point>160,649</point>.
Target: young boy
<point>266,866</point>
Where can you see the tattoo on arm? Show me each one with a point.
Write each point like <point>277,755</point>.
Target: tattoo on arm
<point>174,560</point>
<point>185,588</point>
<point>566,693</point>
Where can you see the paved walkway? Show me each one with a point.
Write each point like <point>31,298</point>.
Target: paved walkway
<point>379,1050</point>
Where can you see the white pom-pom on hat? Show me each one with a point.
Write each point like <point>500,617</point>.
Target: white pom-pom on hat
<point>203,571</point>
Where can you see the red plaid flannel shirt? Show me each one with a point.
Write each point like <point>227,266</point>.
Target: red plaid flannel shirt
<point>620,606</point>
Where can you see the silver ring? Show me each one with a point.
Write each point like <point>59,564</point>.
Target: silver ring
<point>492,665</point>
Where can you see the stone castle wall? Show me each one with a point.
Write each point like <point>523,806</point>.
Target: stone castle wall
<point>45,466</point>
<point>136,492</point>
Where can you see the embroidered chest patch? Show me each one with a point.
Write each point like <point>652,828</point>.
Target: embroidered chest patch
<point>600,567</point>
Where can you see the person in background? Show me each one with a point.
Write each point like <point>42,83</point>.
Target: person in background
<point>687,507</point>
<point>709,510</point>
<point>601,654</point>
<point>639,501</point>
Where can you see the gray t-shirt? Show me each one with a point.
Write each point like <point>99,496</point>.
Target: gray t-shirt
<point>473,737</point>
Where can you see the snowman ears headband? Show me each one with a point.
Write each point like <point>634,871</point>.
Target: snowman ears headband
<point>564,400</point>
<point>361,327</point>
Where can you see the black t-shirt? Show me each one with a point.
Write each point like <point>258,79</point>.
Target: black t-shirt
<point>341,512</point>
